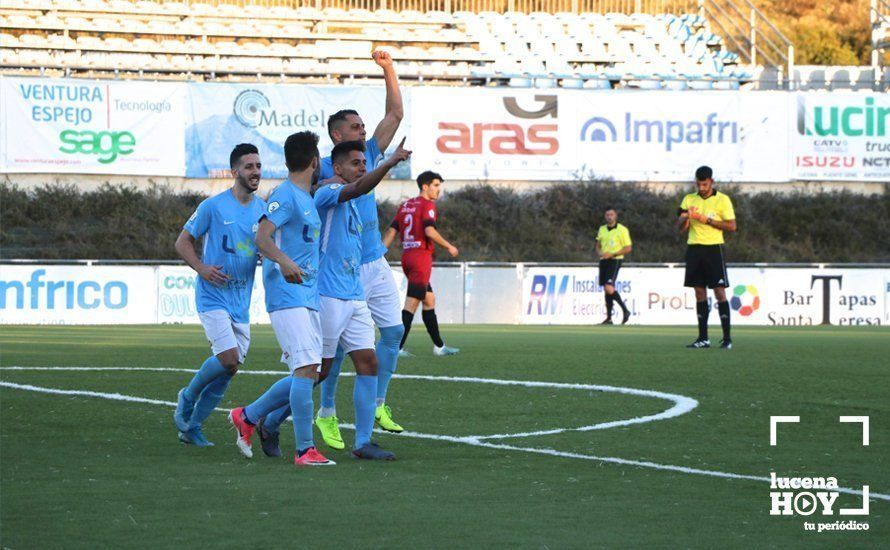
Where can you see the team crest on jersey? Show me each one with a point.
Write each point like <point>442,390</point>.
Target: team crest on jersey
<point>432,213</point>
<point>273,206</point>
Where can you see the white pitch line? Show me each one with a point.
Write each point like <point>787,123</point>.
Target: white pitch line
<point>475,442</point>
<point>682,404</point>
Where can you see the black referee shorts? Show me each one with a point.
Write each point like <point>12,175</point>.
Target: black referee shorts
<point>706,266</point>
<point>609,271</point>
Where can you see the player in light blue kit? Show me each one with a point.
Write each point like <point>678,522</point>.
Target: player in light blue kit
<point>381,292</point>
<point>345,318</point>
<point>288,239</point>
<point>226,270</point>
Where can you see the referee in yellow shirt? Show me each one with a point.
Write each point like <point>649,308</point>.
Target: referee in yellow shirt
<point>612,244</point>
<point>707,214</point>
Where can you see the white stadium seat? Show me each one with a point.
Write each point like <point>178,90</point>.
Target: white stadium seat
<point>672,51</point>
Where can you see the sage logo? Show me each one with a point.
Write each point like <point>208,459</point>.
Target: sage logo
<point>862,118</point>
<point>106,144</point>
<point>248,106</point>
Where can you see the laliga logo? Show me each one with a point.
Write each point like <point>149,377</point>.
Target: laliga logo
<point>807,495</point>
<point>504,138</point>
<point>745,299</point>
<point>248,106</point>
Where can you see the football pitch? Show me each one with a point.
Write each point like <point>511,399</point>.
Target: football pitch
<point>546,437</point>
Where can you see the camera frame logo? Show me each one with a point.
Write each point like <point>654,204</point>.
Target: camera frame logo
<point>745,300</point>
<point>805,496</point>
<point>248,105</point>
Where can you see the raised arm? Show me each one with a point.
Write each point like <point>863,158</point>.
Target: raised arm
<point>395,111</point>
<point>185,247</point>
<point>291,272</point>
<point>370,180</point>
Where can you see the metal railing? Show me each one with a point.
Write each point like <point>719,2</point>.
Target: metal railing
<point>751,35</point>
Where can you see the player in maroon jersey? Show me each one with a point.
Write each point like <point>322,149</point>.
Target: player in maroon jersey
<point>415,223</point>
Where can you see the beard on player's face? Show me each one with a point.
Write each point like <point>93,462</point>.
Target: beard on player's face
<point>250,181</point>
<point>316,174</point>
<point>705,187</point>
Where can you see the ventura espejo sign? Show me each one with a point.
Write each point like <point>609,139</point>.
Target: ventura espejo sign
<point>93,127</point>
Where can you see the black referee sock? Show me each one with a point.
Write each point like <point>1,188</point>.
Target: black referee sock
<point>617,299</point>
<point>432,326</point>
<point>407,318</point>
<point>610,300</point>
<point>723,309</point>
<point>702,309</point>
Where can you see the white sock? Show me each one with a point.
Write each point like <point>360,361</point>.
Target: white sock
<point>380,401</point>
<point>327,412</point>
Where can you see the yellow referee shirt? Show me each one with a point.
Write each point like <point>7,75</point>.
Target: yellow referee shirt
<point>717,207</point>
<point>613,240</point>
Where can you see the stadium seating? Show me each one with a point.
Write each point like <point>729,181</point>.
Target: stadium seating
<point>202,41</point>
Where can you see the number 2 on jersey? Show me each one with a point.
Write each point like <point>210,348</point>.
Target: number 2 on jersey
<point>409,224</point>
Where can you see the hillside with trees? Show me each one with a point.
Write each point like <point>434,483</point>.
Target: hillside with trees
<point>823,33</point>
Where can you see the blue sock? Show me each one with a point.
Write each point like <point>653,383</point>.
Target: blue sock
<point>275,418</point>
<point>301,405</point>
<point>209,371</point>
<point>210,398</point>
<point>329,386</point>
<point>275,397</point>
<point>363,396</point>
<point>387,356</point>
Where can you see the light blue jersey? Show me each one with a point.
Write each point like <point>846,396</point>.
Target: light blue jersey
<point>297,227</point>
<point>228,228</point>
<point>341,245</point>
<point>372,244</point>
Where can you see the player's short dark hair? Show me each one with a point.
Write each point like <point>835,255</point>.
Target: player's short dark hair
<point>299,150</point>
<point>240,150</point>
<point>341,150</point>
<point>426,178</point>
<point>340,116</point>
<point>610,207</point>
<point>703,173</point>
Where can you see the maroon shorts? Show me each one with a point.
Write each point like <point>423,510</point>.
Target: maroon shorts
<point>417,266</point>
